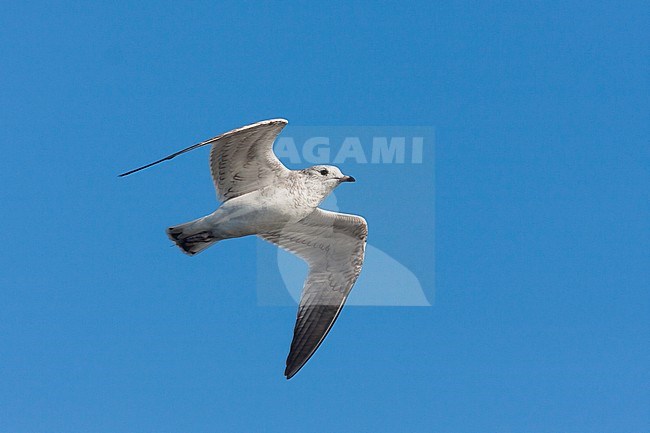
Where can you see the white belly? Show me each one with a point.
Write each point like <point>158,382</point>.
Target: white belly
<point>257,212</point>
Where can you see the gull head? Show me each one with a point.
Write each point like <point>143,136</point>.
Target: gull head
<point>324,178</point>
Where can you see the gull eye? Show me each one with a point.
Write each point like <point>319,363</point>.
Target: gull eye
<point>324,172</point>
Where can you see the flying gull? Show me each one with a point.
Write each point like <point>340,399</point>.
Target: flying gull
<point>260,196</point>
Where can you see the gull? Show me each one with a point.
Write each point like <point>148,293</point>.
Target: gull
<point>262,197</point>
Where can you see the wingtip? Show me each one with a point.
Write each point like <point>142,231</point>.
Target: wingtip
<point>293,369</point>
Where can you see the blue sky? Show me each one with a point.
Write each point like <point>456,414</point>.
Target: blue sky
<point>540,269</point>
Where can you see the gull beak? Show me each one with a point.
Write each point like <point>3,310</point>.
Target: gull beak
<point>347,179</point>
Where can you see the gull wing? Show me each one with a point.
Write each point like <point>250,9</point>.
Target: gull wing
<point>242,160</point>
<point>333,245</point>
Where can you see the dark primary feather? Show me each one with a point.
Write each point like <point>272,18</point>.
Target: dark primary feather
<point>333,245</point>
<point>253,142</point>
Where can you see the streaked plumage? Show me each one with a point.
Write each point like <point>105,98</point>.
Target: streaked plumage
<point>262,197</point>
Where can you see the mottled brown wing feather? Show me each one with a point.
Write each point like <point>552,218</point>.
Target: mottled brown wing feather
<point>242,160</point>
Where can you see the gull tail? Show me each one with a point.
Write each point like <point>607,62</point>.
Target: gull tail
<point>192,237</point>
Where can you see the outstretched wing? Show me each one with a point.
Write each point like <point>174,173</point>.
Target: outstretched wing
<point>242,160</point>
<point>333,245</point>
